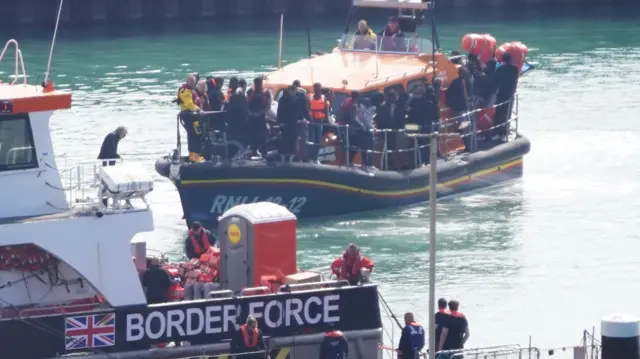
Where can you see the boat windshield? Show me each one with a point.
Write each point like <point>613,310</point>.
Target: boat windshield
<point>407,44</point>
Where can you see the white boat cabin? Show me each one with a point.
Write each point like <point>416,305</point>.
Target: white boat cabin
<point>59,242</point>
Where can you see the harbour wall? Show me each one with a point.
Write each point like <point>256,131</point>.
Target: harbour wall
<point>93,11</point>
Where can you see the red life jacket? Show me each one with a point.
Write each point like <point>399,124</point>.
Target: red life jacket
<point>196,244</point>
<point>264,97</point>
<point>245,337</point>
<point>344,111</point>
<point>350,266</point>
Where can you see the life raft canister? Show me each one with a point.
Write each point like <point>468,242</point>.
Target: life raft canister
<point>483,46</point>
<point>518,51</point>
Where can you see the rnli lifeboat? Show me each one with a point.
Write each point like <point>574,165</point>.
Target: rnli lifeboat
<point>477,153</point>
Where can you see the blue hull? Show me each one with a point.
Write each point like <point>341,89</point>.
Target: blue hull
<point>207,190</point>
<point>205,202</point>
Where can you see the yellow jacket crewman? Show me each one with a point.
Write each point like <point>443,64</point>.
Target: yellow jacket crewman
<point>189,104</point>
<point>187,98</point>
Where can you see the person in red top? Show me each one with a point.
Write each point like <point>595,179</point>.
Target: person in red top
<point>249,339</point>
<point>350,265</point>
<point>198,241</point>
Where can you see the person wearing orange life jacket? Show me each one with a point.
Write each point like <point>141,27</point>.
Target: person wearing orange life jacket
<point>249,339</point>
<point>198,241</point>
<point>319,115</point>
<point>351,265</point>
<point>187,99</point>
<point>412,338</point>
<point>334,346</point>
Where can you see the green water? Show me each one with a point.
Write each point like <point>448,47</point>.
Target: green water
<point>546,256</point>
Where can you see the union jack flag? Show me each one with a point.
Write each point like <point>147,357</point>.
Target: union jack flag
<point>90,331</point>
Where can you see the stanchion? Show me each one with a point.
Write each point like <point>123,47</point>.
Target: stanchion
<point>411,130</point>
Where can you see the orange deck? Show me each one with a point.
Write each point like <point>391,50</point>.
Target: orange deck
<point>361,70</point>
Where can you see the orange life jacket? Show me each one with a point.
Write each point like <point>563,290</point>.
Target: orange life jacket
<point>318,107</point>
<point>228,94</point>
<point>245,337</point>
<point>199,250</point>
<point>351,266</point>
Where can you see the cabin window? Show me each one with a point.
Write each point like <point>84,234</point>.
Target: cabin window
<point>17,151</point>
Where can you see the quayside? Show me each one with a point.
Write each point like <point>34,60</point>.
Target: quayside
<point>357,169</point>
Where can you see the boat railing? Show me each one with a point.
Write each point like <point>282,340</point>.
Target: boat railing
<point>469,137</point>
<point>465,125</point>
<point>83,184</point>
<point>19,62</point>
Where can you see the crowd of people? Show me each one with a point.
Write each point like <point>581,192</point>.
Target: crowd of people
<point>477,86</point>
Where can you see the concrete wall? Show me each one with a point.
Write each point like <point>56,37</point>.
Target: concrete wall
<point>90,11</point>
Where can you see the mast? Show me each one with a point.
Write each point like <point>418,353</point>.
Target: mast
<point>53,44</point>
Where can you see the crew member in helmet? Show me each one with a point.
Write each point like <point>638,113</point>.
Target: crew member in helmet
<point>198,241</point>
<point>249,339</point>
<point>351,265</point>
<point>334,346</point>
<point>412,338</point>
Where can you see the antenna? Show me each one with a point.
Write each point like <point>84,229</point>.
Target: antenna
<point>281,35</point>
<point>53,44</point>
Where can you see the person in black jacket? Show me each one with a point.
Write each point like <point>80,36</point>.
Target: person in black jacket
<point>422,111</point>
<point>506,79</point>
<point>302,99</point>
<point>109,148</point>
<point>334,346</point>
<point>356,127</point>
<point>288,116</point>
<point>249,339</point>
<point>457,96</point>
